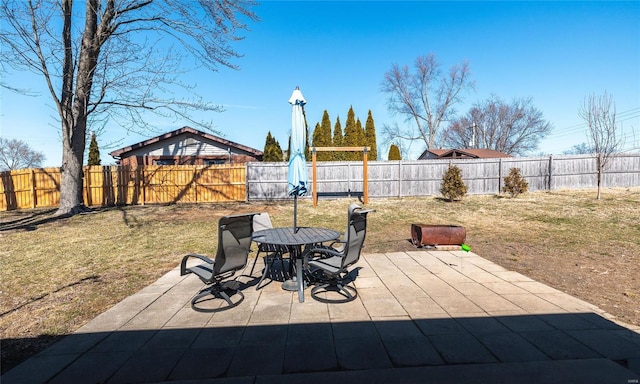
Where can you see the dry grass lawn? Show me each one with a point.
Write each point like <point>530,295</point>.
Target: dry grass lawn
<point>58,274</point>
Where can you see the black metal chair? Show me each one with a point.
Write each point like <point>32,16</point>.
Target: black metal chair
<point>234,243</point>
<point>272,252</point>
<point>333,262</point>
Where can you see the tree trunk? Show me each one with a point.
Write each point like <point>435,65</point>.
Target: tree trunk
<point>74,111</point>
<point>71,180</point>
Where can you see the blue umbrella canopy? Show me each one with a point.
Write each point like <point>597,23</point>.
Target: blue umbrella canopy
<point>297,175</point>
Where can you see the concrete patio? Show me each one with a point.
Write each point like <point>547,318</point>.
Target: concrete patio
<point>421,316</point>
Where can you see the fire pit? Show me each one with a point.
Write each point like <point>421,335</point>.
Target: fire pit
<point>433,235</point>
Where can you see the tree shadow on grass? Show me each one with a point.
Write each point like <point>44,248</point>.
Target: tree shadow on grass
<point>29,221</point>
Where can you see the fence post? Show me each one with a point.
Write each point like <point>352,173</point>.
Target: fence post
<point>550,172</point>
<point>348,176</point>
<point>399,178</point>
<point>34,195</point>
<point>499,175</point>
<point>87,185</point>
<point>314,176</point>
<point>120,188</point>
<point>194,185</point>
<point>246,180</point>
<point>142,184</point>
<point>365,177</point>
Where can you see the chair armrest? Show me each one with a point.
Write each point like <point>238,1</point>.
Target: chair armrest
<point>325,251</point>
<point>312,249</point>
<point>183,264</point>
<point>337,242</point>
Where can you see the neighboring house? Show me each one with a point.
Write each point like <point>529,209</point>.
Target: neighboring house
<point>431,154</point>
<point>186,146</point>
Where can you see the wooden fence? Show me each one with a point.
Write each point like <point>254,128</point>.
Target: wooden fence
<point>266,181</point>
<point>122,185</point>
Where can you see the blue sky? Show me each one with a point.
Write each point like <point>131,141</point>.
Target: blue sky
<point>338,52</point>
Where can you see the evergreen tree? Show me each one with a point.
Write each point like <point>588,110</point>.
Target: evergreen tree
<point>278,150</point>
<point>94,152</point>
<point>350,134</point>
<point>394,153</point>
<point>322,137</point>
<point>317,133</point>
<point>272,151</point>
<point>288,150</point>
<point>266,152</point>
<point>338,140</point>
<point>370,135</point>
<point>453,187</point>
<point>515,184</point>
<point>360,141</point>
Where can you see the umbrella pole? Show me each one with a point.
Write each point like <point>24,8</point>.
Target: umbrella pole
<point>295,211</point>
<point>291,284</point>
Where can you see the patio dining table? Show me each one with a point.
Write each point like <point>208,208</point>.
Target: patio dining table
<point>296,240</point>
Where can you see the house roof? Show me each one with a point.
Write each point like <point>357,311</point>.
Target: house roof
<point>435,152</point>
<point>470,152</point>
<point>184,130</point>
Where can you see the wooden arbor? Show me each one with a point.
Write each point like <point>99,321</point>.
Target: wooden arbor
<point>365,177</point>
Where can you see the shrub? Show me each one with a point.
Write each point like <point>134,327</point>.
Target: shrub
<point>515,184</point>
<point>453,187</point>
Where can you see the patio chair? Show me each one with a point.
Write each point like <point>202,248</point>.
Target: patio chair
<point>234,243</point>
<point>272,252</point>
<point>334,261</point>
<point>338,245</point>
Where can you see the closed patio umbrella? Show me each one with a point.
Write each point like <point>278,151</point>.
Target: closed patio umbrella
<point>297,173</point>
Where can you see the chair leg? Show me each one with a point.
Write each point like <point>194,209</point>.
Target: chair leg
<point>226,297</point>
<point>269,260</point>
<point>282,267</point>
<point>218,291</point>
<point>255,260</point>
<point>347,292</point>
<point>267,267</point>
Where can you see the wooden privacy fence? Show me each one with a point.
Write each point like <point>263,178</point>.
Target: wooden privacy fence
<point>122,185</point>
<point>268,181</point>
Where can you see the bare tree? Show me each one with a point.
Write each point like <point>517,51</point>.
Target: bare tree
<point>115,60</point>
<point>579,149</point>
<point>16,154</point>
<point>514,128</point>
<point>599,112</point>
<point>425,98</point>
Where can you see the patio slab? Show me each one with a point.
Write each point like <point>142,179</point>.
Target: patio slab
<point>441,316</point>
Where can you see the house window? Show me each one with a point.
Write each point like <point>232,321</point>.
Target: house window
<point>214,161</point>
<point>164,162</point>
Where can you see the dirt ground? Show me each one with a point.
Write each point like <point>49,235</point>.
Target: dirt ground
<point>610,283</point>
